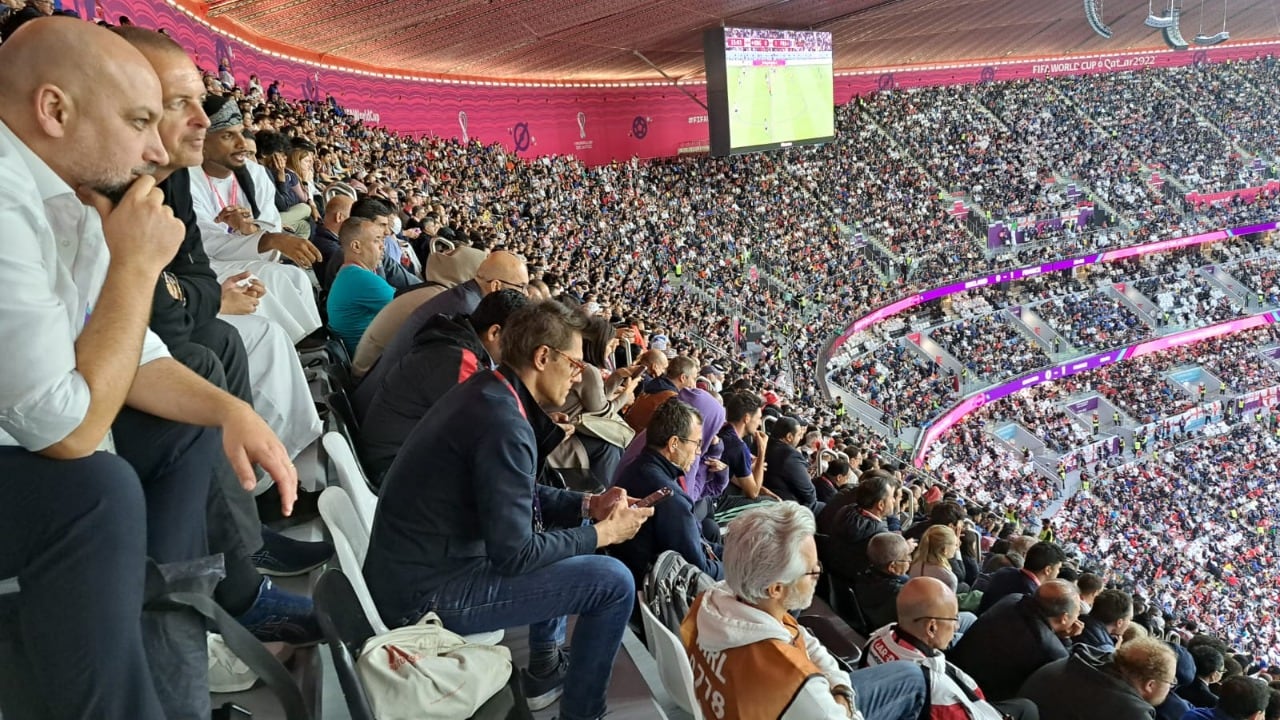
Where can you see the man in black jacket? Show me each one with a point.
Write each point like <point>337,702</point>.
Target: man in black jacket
<point>1126,685</point>
<point>1107,620</point>
<point>861,517</point>
<point>673,442</point>
<point>499,270</point>
<point>464,530</point>
<point>786,473</point>
<point>186,302</point>
<point>1209,665</point>
<point>877,588</point>
<point>1042,564</point>
<point>446,351</point>
<point>1017,636</point>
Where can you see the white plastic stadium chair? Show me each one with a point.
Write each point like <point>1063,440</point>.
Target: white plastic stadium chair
<point>351,478</point>
<point>673,664</point>
<point>351,541</point>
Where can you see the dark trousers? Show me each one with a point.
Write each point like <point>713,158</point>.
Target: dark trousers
<point>224,340</point>
<point>1018,709</point>
<point>217,354</point>
<point>235,529</point>
<point>76,533</point>
<point>704,512</point>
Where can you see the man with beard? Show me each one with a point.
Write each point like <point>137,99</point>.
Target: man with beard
<point>240,226</point>
<point>86,236</point>
<point>750,657</point>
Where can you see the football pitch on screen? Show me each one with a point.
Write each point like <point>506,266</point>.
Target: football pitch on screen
<point>776,104</point>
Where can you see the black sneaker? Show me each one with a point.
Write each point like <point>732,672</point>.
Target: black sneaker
<point>543,692</point>
<point>282,556</point>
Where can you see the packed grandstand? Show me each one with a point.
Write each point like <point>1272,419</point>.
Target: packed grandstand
<point>1157,472</point>
<point>767,239</point>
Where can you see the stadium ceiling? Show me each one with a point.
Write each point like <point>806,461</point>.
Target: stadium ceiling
<point>610,40</point>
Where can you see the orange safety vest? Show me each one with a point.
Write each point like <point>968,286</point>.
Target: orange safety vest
<point>751,682</point>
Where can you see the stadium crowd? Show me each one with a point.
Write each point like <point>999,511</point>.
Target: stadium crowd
<point>608,283</point>
<point>1093,321</point>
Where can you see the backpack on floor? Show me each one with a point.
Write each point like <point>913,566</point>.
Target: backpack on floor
<point>671,586</point>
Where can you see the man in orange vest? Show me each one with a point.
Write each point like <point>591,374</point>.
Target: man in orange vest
<point>752,661</point>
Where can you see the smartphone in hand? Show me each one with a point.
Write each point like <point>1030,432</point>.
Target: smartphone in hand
<point>653,498</point>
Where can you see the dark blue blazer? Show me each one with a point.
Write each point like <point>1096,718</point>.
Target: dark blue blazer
<point>461,498</point>
<point>1005,581</point>
<point>673,525</point>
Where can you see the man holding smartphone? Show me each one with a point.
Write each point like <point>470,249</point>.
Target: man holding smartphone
<point>674,442</point>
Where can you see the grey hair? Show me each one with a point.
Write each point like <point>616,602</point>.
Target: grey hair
<point>763,548</point>
<point>886,548</point>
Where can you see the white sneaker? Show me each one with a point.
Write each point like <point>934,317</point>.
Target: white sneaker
<point>227,673</point>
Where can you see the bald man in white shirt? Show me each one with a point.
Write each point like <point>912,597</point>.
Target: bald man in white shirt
<point>86,236</point>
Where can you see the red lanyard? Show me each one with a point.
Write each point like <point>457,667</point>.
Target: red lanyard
<point>235,192</point>
<point>537,504</point>
<point>514,394</point>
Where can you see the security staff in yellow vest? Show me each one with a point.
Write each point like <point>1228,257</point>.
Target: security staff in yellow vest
<point>752,661</point>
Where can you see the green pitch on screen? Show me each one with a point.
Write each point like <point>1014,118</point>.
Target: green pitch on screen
<point>769,105</point>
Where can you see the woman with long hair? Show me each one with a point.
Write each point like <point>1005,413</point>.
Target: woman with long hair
<point>933,555</point>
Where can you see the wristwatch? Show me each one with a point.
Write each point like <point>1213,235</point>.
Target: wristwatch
<point>845,692</point>
<point>586,506</point>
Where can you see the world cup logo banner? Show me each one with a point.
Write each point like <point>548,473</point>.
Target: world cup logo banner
<point>462,123</point>
<point>582,143</point>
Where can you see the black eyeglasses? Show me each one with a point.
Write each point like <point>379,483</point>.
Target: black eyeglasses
<point>934,617</point>
<point>522,287</point>
<point>691,441</point>
<point>815,572</point>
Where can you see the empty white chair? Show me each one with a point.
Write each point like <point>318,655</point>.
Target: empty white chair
<point>351,541</point>
<point>673,664</point>
<point>351,478</point>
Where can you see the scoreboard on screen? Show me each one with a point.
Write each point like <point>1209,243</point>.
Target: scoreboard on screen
<point>768,89</point>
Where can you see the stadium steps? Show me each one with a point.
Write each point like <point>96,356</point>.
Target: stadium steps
<point>633,693</point>
<point>1138,304</point>
<point>1222,276</point>
<point>1171,92</point>
<point>1040,332</point>
<point>863,411</point>
<point>932,350</point>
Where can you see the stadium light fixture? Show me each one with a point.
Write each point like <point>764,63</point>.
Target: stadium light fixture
<point>1159,22</point>
<point>1093,13</point>
<point>1173,34</point>
<point>1220,37</point>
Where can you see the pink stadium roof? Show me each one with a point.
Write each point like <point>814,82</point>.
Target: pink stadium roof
<point>597,40</point>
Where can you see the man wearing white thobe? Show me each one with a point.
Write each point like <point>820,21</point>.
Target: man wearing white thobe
<point>234,205</point>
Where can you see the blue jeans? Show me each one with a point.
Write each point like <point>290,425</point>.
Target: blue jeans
<point>596,588</point>
<point>893,691</point>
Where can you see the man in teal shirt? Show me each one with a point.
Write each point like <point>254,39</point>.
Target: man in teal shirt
<point>358,292</point>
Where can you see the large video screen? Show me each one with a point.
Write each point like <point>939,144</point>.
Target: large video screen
<point>768,88</point>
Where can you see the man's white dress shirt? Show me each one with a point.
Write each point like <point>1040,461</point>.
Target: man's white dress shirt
<point>55,263</point>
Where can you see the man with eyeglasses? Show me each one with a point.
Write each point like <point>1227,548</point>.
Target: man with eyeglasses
<point>1124,685</point>
<point>395,327</point>
<point>928,615</point>
<point>751,659</point>
<point>877,588</point>
<point>464,530</point>
<point>673,444</point>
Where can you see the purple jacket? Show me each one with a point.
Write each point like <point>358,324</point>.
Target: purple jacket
<point>703,482</point>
